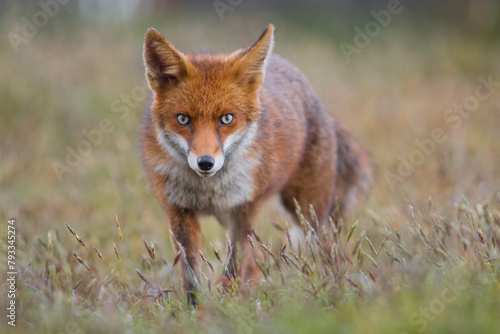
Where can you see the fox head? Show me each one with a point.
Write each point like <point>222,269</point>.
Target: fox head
<point>205,106</point>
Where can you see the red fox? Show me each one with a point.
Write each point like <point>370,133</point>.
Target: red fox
<point>225,132</point>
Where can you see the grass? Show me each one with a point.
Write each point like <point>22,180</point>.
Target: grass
<point>422,257</point>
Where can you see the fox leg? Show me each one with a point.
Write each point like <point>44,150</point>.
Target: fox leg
<point>243,217</point>
<point>334,172</point>
<point>313,184</point>
<point>322,206</point>
<point>186,233</point>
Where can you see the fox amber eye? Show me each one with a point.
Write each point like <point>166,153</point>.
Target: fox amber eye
<point>182,119</point>
<point>227,119</point>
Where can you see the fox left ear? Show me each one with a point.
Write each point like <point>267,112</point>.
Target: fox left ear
<point>165,65</point>
<point>250,63</point>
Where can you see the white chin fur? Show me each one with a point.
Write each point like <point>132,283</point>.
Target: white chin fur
<point>205,174</point>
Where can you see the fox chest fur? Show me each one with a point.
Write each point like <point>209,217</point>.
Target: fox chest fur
<point>232,186</point>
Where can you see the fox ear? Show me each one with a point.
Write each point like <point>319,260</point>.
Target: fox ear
<point>165,65</point>
<point>251,62</point>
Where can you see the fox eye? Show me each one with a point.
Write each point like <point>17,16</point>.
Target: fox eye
<point>183,119</point>
<point>227,119</point>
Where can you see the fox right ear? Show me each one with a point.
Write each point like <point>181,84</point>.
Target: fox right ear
<point>251,62</point>
<point>165,65</point>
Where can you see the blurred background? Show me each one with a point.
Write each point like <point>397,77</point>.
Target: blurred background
<point>72,92</point>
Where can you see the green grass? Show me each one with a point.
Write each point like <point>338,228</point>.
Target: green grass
<point>420,258</point>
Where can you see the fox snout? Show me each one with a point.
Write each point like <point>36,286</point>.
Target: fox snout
<point>205,165</point>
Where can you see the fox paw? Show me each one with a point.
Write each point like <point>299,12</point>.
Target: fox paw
<point>225,285</point>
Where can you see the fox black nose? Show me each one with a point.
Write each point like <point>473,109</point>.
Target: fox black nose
<point>206,163</point>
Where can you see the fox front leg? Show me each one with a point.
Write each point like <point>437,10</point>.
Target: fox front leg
<point>243,217</point>
<point>186,239</point>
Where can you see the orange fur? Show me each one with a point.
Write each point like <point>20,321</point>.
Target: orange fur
<point>280,141</point>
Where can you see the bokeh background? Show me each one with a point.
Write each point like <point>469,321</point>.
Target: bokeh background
<point>67,72</point>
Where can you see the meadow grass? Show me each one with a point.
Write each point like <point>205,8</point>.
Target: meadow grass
<point>93,249</point>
